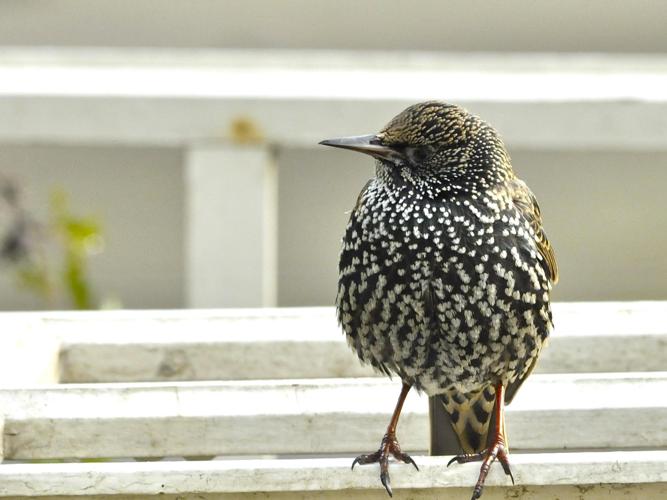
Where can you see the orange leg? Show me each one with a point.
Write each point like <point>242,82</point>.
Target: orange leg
<point>499,447</point>
<point>388,446</point>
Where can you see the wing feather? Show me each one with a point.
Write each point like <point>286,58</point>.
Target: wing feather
<point>525,200</point>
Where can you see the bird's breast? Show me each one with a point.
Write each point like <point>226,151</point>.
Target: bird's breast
<point>442,286</point>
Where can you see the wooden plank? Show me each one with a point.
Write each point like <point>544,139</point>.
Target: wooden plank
<point>307,343</point>
<point>552,412</point>
<point>27,356</point>
<point>631,474</point>
<point>651,491</point>
<point>232,262</point>
<point>148,98</point>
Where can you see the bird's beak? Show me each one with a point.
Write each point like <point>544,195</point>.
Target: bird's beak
<point>369,144</point>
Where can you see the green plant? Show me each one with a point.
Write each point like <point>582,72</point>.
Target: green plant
<point>79,237</point>
<point>50,259</point>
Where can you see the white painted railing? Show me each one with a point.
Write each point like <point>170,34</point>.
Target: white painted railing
<point>608,475</point>
<point>307,343</point>
<point>314,417</point>
<point>575,406</point>
<point>230,110</point>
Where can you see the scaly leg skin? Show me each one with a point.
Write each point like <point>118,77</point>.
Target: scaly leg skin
<point>498,449</point>
<point>389,446</point>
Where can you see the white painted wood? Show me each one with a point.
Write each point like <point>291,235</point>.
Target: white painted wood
<point>552,412</point>
<point>307,343</point>
<point>231,225</point>
<point>641,474</point>
<point>297,99</point>
<point>651,491</point>
<point>27,355</point>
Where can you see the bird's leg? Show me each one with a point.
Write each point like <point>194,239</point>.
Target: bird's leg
<point>388,446</point>
<point>499,448</point>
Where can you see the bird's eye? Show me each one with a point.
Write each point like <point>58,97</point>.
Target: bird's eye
<point>418,154</point>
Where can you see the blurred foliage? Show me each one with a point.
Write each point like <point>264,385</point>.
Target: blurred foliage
<point>79,237</point>
<point>49,258</point>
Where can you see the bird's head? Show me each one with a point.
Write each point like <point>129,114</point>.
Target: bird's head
<point>433,140</point>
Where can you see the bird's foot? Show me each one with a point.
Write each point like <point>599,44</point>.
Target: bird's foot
<point>497,451</point>
<point>388,447</point>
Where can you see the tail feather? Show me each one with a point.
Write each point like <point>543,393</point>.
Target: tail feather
<point>471,416</point>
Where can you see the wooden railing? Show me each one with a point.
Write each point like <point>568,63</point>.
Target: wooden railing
<point>279,401</point>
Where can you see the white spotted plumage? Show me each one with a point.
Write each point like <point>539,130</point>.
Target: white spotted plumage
<point>441,277</point>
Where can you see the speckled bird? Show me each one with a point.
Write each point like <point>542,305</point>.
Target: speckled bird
<point>445,275</point>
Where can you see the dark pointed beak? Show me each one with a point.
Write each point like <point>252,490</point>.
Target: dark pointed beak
<point>369,144</point>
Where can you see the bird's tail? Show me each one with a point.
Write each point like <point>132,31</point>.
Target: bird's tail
<point>470,416</point>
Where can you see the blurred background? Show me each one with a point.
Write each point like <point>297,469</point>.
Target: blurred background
<point>164,154</point>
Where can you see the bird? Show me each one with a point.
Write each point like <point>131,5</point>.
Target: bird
<point>445,276</point>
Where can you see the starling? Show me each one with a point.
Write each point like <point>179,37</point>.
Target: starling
<point>445,275</point>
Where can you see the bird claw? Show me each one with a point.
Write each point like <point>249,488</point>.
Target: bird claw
<point>502,458</point>
<point>497,451</point>
<point>388,447</point>
<point>385,480</point>
<point>367,459</point>
<point>405,458</point>
<point>464,459</point>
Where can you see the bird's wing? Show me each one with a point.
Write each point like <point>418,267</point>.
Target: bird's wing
<point>525,200</point>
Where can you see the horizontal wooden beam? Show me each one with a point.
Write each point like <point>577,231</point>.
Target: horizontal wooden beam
<point>551,412</point>
<point>307,343</point>
<point>631,474</point>
<point>545,102</point>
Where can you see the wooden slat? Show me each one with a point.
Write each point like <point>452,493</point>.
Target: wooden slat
<point>325,416</point>
<point>587,476</point>
<point>241,246</point>
<point>307,343</point>
<point>107,96</point>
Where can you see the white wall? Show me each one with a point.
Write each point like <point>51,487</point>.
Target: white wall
<point>138,196</point>
<point>508,25</point>
<point>606,214</point>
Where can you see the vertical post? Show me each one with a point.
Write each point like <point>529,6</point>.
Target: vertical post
<point>231,226</point>
<point>443,438</point>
